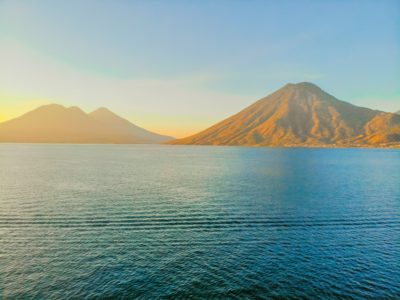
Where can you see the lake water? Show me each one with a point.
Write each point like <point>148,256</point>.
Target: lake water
<point>149,222</point>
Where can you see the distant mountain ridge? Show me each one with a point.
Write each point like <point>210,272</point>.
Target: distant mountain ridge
<point>55,123</point>
<point>302,115</point>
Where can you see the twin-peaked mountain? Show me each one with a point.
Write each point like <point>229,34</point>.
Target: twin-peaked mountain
<point>302,115</point>
<point>57,124</point>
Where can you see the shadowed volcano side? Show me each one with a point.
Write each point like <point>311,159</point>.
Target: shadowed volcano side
<point>296,115</point>
<point>111,120</point>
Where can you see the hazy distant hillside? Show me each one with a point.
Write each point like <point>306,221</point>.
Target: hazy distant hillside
<point>301,115</point>
<point>58,124</point>
<point>123,126</point>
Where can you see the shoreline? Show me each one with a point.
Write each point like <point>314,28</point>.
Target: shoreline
<point>356,146</point>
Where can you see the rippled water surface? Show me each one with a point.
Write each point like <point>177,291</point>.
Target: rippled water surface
<point>87,221</point>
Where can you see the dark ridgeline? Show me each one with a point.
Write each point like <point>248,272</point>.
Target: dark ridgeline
<point>302,115</point>
<point>58,124</point>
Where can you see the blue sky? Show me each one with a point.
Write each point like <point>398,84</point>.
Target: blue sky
<point>179,66</point>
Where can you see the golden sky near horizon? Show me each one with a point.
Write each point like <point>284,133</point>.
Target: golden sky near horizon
<point>12,106</point>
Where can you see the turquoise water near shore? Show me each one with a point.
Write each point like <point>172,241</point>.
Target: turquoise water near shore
<point>150,222</point>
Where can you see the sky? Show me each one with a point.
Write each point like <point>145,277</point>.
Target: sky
<point>177,67</point>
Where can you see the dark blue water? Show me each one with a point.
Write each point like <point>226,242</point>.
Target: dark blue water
<point>149,222</point>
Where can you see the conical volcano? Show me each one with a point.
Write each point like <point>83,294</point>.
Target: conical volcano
<point>300,115</point>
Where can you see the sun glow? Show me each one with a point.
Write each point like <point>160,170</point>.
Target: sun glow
<point>12,106</point>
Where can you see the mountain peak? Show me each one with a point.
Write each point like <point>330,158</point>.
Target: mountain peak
<point>102,110</point>
<point>58,108</point>
<point>300,114</point>
<point>303,86</point>
<point>102,113</point>
<point>52,106</point>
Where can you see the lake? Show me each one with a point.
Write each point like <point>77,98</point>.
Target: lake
<point>151,222</point>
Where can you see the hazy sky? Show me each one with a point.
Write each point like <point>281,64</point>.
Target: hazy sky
<point>177,67</point>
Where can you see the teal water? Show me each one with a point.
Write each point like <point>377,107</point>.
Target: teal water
<point>151,222</point>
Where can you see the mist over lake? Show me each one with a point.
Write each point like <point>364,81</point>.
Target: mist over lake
<point>151,221</point>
